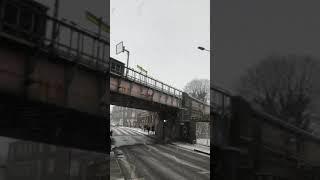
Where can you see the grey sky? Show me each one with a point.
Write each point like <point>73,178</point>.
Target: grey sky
<point>248,30</point>
<point>162,37</point>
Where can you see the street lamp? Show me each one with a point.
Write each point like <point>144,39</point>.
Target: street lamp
<point>203,49</point>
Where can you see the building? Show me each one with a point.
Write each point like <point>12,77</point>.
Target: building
<point>35,161</point>
<point>123,116</point>
<point>146,118</point>
<point>314,125</point>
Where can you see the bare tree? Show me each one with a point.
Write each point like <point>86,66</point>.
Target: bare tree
<point>199,89</point>
<point>284,86</point>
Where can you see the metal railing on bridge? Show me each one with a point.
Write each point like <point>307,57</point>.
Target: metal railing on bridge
<point>261,137</point>
<point>286,140</point>
<point>34,28</point>
<point>148,81</point>
<point>220,100</point>
<point>266,143</point>
<point>87,48</point>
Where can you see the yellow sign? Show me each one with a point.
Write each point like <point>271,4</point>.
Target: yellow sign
<point>142,69</point>
<point>97,21</point>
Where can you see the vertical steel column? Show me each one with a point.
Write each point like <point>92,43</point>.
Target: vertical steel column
<point>54,26</point>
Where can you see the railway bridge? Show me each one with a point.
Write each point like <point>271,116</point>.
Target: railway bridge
<point>133,89</point>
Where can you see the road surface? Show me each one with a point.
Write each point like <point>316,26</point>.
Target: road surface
<point>140,157</point>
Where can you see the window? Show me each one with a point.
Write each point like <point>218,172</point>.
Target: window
<point>50,166</point>
<point>11,152</point>
<point>26,20</point>
<point>38,169</point>
<point>11,14</point>
<point>40,147</point>
<point>52,148</point>
<point>74,168</point>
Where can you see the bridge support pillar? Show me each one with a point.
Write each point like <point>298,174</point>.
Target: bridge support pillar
<point>167,127</point>
<point>192,132</point>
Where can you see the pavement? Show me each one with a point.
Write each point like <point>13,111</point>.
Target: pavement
<point>115,170</point>
<point>194,147</point>
<point>203,141</point>
<point>151,133</point>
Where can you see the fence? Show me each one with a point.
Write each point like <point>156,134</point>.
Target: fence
<point>220,100</point>
<point>270,145</point>
<point>286,140</point>
<point>151,82</point>
<point>32,27</point>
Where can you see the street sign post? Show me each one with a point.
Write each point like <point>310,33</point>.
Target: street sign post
<point>119,48</point>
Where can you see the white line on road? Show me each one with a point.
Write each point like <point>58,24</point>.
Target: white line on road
<point>131,132</point>
<point>187,149</point>
<point>179,160</point>
<point>123,132</point>
<point>116,132</point>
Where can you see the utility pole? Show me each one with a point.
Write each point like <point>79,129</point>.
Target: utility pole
<point>56,8</point>
<point>128,53</point>
<point>54,26</point>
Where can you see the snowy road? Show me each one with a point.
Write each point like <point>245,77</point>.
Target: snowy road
<point>143,158</point>
<point>123,136</point>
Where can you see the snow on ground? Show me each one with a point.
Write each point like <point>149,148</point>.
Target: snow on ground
<point>205,142</point>
<point>198,147</point>
<point>141,131</point>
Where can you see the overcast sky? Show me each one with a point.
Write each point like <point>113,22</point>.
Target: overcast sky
<point>249,30</point>
<point>163,36</point>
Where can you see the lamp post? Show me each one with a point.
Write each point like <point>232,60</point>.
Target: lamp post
<point>54,26</point>
<point>208,50</point>
<point>203,49</point>
<point>163,131</point>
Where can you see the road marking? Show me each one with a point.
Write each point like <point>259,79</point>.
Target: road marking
<point>140,133</point>
<point>130,167</point>
<point>188,149</point>
<point>131,132</point>
<point>123,132</point>
<point>178,160</point>
<point>116,132</point>
<point>193,155</point>
<point>204,172</point>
